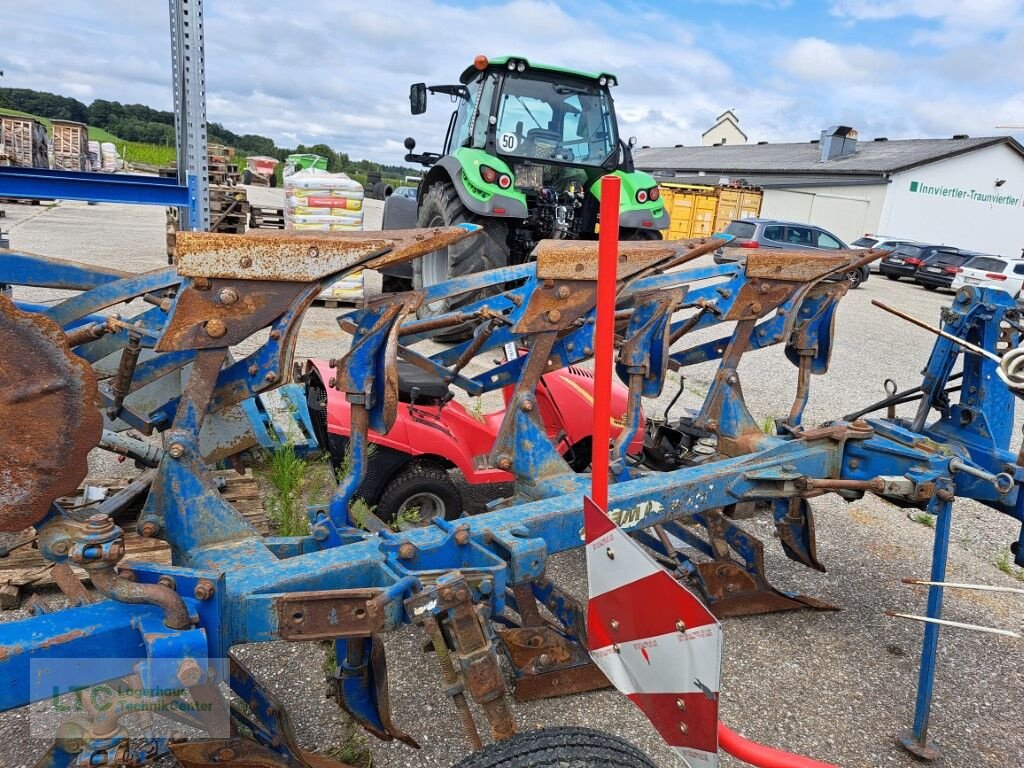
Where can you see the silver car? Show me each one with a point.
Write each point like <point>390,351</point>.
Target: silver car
<point>785,235</point>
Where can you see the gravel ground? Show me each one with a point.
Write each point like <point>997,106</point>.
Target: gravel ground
<point>836,685</point>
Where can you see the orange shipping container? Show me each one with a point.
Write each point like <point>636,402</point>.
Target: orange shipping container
<point>699,211</point>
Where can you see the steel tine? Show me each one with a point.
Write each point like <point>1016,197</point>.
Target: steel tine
<point>956,585</point>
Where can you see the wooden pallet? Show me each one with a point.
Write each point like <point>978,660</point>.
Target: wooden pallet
<point>266,218</point>
<point>25,568</point>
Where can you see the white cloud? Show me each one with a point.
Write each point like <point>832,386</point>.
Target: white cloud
<point>817,60</point>
<point>954,21</point>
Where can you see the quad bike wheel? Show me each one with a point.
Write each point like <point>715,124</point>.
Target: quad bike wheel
<point>566,747</point>
<point>421,491</point>
<point>488,250</point>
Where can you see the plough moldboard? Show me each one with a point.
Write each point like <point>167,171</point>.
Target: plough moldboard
<point>477,586</point>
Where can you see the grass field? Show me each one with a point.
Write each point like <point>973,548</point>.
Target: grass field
<point>130,151</point>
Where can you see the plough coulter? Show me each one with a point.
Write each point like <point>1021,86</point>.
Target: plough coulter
<point>477,585</point>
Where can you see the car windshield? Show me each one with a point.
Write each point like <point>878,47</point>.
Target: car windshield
<point>741,229</point>
<point>986,264</point>
<point>542,117</point>
<point>865,242</point>
<point>909,250</point>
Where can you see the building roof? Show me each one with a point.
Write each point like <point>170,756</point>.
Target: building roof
<point>872,158</point>
<point>726,117</point>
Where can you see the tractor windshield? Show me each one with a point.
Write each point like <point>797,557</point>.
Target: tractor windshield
<point>544,117</point>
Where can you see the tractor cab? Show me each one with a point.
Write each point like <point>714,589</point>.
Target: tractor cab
<point>522,157</point>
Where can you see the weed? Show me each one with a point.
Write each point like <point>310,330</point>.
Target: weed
<point>928,521</point>
<point>285,472</point>
<point>478,407</point>
<point>360,512</point>
<point>1005,564</point>
<point>410,517</point>
<point>330,658</point>
<point>352,749</point>
<point>769,426</point>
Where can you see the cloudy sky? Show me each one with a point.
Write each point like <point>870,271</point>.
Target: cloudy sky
<point>338,72</point>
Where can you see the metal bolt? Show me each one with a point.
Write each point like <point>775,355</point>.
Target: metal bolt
<point>462,594</point>
<point>176,451</point>
<point>127,574</point>
<point>275,335</point>
<point>270,377</point>
<point>588,351</point>
<point>755,307</point>
<point>563,292</point>
<point>683,728</point>
<point>313,253</point>
<point>228,296</point>
<point>246,262</point>
<point>149,530</point>
<point>215,328</point>
<point>406,551</point>
<point>189,673</point>
<point>854,463</point>
<point>204,589</point>
<point>462,536</point>
<point>680,705</point>
<point>554,315</point>
<point>224,755</point>
<point>332,363</point>
<point>505,464</point>
<point>732,378</point>
<point>543,660</point>
<point>610,552</point>
<point>614,625</point>
<point>680,626</point>
<point>254,369</point>
<point>447,594</point>
<point>616,648</point>
<point>200,284</point>
<point>167,581</point>
<point>527,405</point>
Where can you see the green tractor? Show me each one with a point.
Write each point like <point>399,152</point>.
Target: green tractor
<point>525,149</point>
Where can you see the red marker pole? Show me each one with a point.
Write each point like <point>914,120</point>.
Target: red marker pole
<point>604,337</point>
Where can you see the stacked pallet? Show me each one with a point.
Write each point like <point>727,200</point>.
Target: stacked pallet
<point>221,164</point>
<point>229,209</point>
<point>25,568</point>
<point>70,144</point>
<point>24,141</point>
<point>266,218</point>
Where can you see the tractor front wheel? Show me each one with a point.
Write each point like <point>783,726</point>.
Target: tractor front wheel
<point>442,207</point>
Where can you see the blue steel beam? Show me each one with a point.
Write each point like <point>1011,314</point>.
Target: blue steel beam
<point>46,184</point>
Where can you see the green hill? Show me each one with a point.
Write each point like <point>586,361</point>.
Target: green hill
<point>130,151</point>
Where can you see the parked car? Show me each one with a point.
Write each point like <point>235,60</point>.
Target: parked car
<point>880,243</point>
<point>784,235</point>
<point>904,261</point>
<point>992,272</point>
<point>941,267</point>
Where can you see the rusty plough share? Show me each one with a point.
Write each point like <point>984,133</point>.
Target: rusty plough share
<point>476,586</point>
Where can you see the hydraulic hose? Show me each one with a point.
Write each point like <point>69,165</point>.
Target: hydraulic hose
<point>760,755</point>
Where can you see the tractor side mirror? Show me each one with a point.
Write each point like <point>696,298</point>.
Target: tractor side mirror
<point>418,98</point>
<point>410,143</point>
<point>632,141</point>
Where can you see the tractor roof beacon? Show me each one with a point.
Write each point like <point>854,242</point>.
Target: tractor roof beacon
<point>525,148</point>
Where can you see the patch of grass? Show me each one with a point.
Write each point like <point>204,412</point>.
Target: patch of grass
<point>285,472</point>
<point>352,749</point>
<point>330,658</point>
<point>928,521</point>
<point>768,427</point>
<point>1005,564</point>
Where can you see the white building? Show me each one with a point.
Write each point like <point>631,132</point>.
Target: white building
<point>961,191</point>
<point>726,130</point>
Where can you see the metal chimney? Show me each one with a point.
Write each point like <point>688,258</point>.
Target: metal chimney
<point>838,141</point>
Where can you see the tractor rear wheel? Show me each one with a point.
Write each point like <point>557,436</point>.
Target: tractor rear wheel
<point>559,748</point>
<point>629,233</point>
<point>442,207</point>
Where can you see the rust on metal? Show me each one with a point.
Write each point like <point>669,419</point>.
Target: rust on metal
<point>202,321</point>
<point>327,615</point>
<point>303,257</point>
<point>42,377</point>
<point>577,259</point>
<point>550,664</point>
<point>802,266</point>
<point>545,299</point>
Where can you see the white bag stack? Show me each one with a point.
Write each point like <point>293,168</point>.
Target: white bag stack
<point>94,155</point>
<point>327,202</point>
<point>108,156</point>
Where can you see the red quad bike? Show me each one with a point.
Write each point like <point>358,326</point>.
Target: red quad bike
<point>433,433</point>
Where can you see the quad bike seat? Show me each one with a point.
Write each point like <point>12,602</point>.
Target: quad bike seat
<point>431,390</point>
